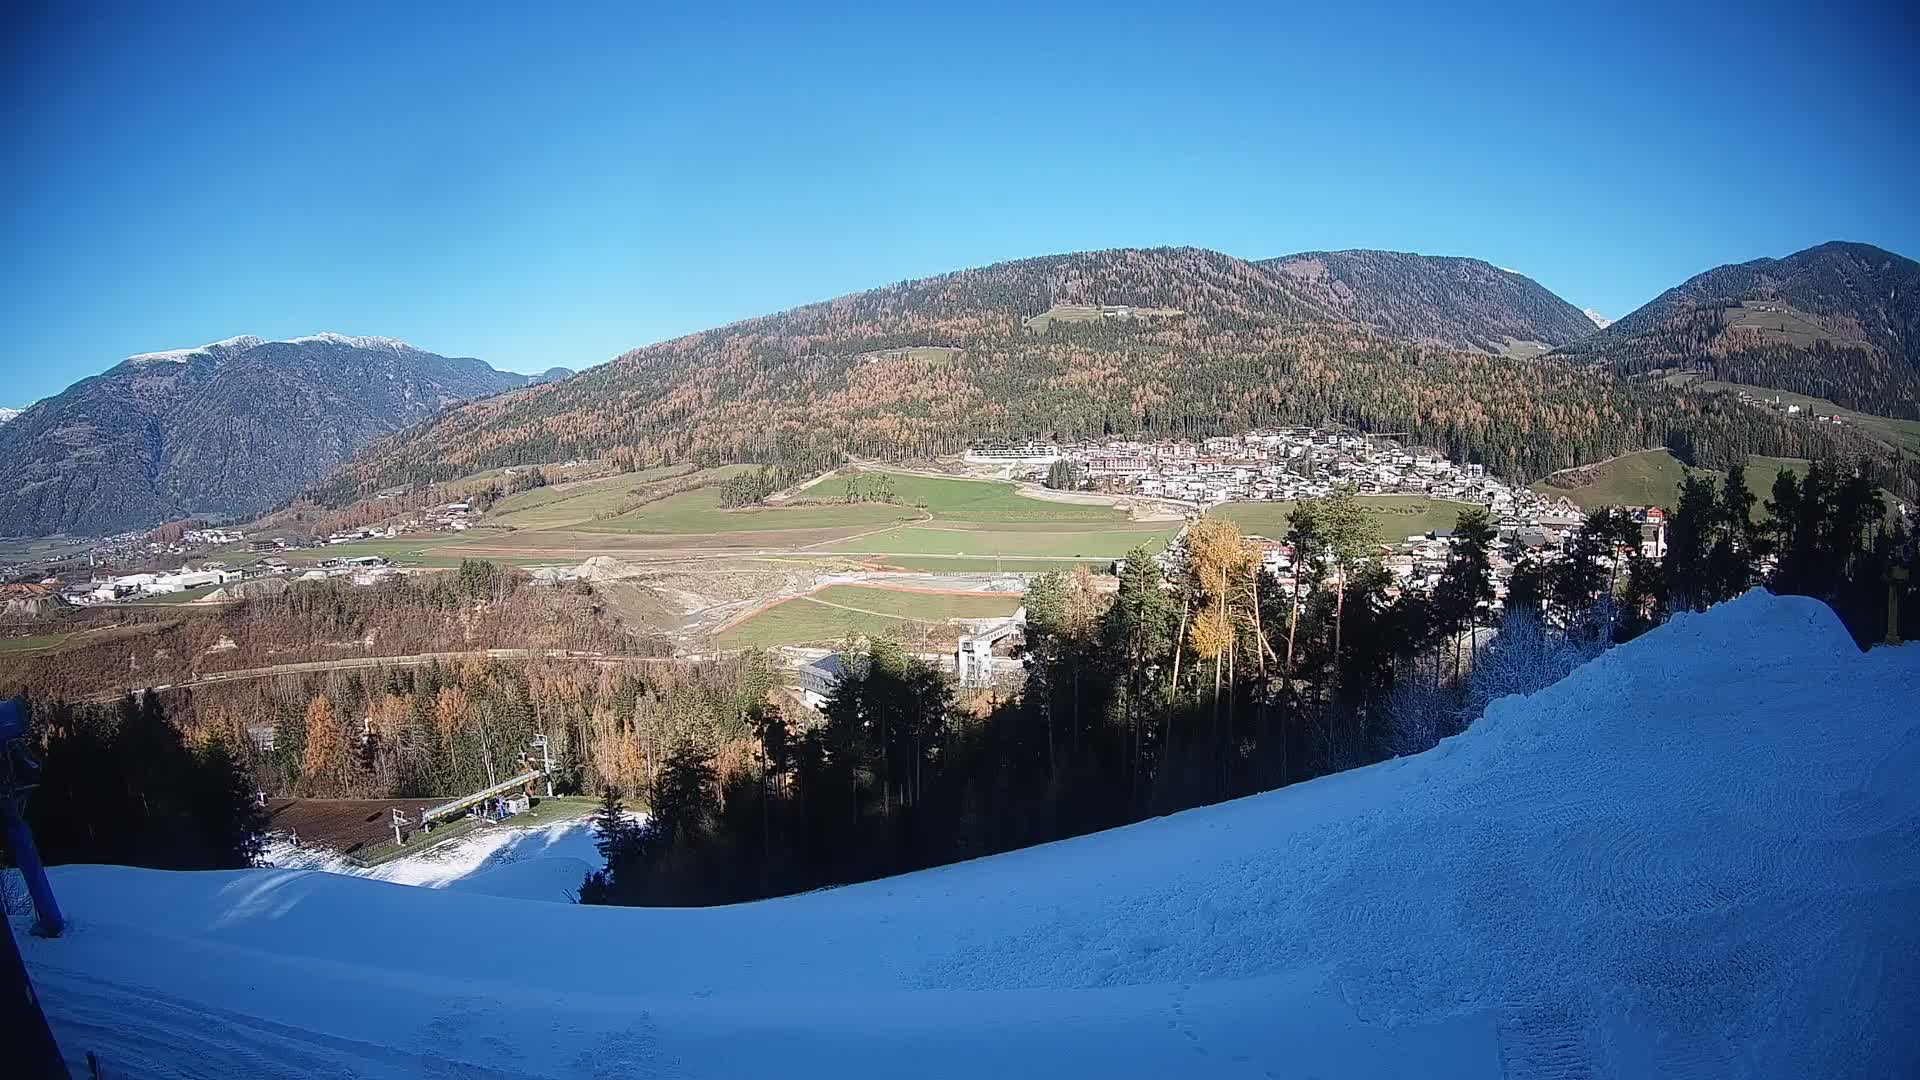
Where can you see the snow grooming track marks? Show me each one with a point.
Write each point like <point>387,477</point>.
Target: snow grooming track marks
<point>1696,857</point>
<point>1580,855</point>
<point>159,1040</point>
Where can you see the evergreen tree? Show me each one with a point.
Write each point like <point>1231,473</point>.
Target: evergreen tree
<point>616,836</point>
<point>1467,584</point>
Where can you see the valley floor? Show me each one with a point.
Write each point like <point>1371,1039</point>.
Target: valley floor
<point>1698,856</point>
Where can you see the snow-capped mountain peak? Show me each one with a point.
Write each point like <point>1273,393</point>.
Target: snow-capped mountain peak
<point>244,342</point>
<point>8,414</point>
<point>328,337</point>
<point>1599,320</point>
<point>180,356</point>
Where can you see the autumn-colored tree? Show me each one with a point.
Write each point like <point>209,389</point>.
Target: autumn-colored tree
<point>1220,568</point>
<point>325,764</point>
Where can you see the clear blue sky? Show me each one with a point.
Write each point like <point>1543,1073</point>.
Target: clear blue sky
<point>539,188</point>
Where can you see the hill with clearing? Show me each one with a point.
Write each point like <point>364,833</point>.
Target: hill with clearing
<point>1693,858</point>
<point>1653,478</point>
<point>1839,321</point>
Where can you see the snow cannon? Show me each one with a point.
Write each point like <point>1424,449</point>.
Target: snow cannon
<point>19,775</point>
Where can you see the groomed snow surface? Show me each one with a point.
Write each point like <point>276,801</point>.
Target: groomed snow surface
<point>545,862</point>
<point>1698,856</point>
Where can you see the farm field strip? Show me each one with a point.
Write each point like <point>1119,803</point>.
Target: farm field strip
<point>1399,516</point>
<point>568,504</point>
<point>1065,544</point>
<point>962,499</point>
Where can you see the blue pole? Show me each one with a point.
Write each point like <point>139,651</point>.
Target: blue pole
<point>21,771</point>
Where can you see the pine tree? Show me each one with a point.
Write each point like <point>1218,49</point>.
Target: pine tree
<point>223,806</point>
<point>615,834</point>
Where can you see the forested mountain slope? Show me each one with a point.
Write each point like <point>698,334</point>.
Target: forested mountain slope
<point>1462,303</point>
<point>227,428</point>
<point>1839,321</point>
<point>1208,344</point>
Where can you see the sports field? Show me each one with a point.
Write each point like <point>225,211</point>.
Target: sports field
<point>1400,516</point>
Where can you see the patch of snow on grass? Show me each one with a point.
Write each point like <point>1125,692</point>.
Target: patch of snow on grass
<point>464,860</point>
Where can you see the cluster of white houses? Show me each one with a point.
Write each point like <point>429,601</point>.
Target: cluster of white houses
<point>1286,466</point>
<point>106,590</point>
<point>364,570</point>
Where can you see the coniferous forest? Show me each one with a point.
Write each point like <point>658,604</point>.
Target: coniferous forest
<point>1210,682</point>
<point>1198,679</point>
<point>1220,346</point>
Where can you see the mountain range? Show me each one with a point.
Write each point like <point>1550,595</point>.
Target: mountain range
<point>1839,321</point>
<point>1165,342</point>
<point>1456,353</point>
<point>229,428</point>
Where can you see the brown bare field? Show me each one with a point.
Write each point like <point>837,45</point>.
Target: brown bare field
<point>345,825</point>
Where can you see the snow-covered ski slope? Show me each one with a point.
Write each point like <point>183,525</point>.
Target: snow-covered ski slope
<point>1698,856</point>
<point>543,862</point>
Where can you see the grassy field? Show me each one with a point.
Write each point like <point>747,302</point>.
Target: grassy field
<point>60,640</point>
<point>1648,478</point>
<point>838,611</point>
<point>957,499</point>
<point>801,621</point>
<point>37,551</point>
<point>1057,544</point>
<point>698,512</point>
<point>948,564</point>
<point>1652,478</point>
<point>924,606</point>
<point>33,643</point>
<point>1400,516</point>
<point>559,505</point>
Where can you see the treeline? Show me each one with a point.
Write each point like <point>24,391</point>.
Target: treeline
<point>123,784</point>
<point>751,488</point>
<point>809,387</point>
<point>479,606</point>
<point>447,728</point>
<point>1207,681</point>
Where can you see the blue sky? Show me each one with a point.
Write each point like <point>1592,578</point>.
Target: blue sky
<point>543,189</point>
